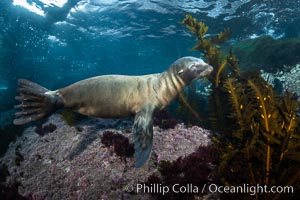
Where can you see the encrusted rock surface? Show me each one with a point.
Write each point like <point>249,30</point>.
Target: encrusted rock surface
<point>72,163</point>
<point>289,80</point>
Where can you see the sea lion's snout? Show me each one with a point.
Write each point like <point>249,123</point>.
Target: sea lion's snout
<point>191,68</point>
<point>207,69</point>
<point>199,69</point>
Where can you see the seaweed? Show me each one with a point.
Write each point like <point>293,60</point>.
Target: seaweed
<point>196,169</point>
<point>211,48</point>
<point>45,129</point>
<point>224,65</point>
<point>257,135</point>
<point>190,102</point>
<point>120,143</point>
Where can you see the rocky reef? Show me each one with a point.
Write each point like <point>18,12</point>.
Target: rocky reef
<point>285,80</point>
<point>8,131</point>
<point>267,53</point>
<point>73,163</point>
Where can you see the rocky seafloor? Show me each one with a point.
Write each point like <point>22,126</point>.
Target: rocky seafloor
<point>71,162</point>
<point>285,81</point>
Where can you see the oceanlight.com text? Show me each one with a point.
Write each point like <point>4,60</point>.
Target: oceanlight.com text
<point>210,188</point>
<point>250,189</point>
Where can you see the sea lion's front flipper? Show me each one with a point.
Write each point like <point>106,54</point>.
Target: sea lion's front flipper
<point>143,135</point>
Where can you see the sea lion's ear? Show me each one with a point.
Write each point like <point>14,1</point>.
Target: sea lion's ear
<point>143,136</point>
<point>180,71</point>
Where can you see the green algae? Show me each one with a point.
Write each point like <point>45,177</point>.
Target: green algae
<point>278,55</point>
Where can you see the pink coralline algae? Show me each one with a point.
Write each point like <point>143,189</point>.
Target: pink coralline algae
<point>72,164</point>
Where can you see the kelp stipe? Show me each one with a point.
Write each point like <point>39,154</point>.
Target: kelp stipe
<point>257,131</point>
<point>211,48</point>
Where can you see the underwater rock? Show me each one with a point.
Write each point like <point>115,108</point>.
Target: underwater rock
<point>286,80</point>
<point>195,169</point>
<point>8,131</point>
<point>267,53</point>
<point>68,164</point>
<point>179,139</point>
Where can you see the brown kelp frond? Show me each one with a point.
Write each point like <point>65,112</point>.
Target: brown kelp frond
<point>220,69</point>
<point>289,126</point>
<point>184,101</point>
<point>232,89</point>
<point>287,109</point>
<point>242,110</point>
<point>221,37</point>
<point>198,28</point>
<point>233,64</point>
<point>210,46</point>
<point>257,132</point>
<point>264,115</point>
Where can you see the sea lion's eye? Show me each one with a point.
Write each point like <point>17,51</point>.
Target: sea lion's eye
<point>193,67</point>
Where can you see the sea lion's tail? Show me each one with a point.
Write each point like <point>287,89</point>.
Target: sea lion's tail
<point>37,102</point>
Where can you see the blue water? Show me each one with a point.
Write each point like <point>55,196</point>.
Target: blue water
<point>56,42</point>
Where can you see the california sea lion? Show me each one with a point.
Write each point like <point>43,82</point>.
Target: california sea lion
<point>114,96</point>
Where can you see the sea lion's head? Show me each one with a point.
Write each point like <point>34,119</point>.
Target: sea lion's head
<point>191,68</point>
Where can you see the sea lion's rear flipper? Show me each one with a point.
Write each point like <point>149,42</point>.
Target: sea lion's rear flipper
<point>143,135</point>
<point>36,102</point>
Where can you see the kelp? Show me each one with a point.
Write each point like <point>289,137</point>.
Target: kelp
<point>189,102</point>
<point>224,65</point>
<point>211,47</point>
<point>257,132</point>
<point>183,101</point>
